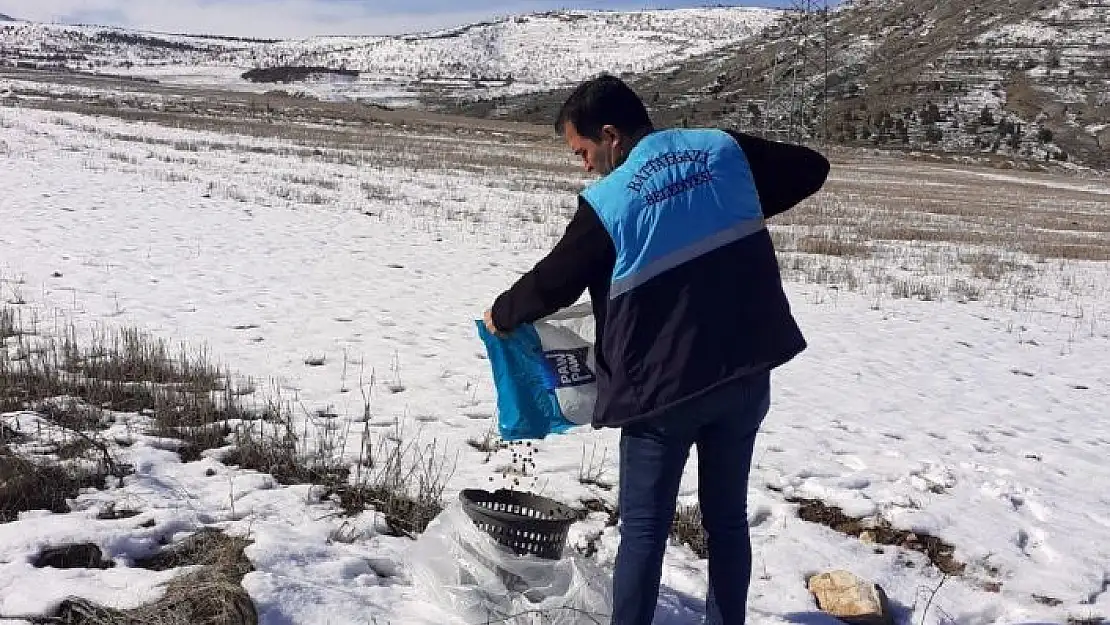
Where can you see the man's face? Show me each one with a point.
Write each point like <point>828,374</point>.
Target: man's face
<point>598,156</point>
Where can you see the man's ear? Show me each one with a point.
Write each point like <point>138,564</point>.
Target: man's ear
<point>610,135</point>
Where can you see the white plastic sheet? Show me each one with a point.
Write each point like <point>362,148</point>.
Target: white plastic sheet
<point>466,573</point>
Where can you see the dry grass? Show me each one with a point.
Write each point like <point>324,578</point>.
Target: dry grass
<point>7,324</point>
<point>988,265</point>
<point>121,370</point>
<point>401,477</point>
<point>488,443</point>
<point>192,402</point>
<point>316,181</point>
<point>377,191</point>
<point>880,532</point>
<point>127,355</point>
<point>209,595</point>
<point>687,530</point>
<point>592,470</point>
<point>76,556</point>
<point>834,244</point>
<point>41,484</point>
<point>935,232</point>
<point>71,381</point>
<point>271,446</point>
<point>511,156</point>
<point>1032,214</point>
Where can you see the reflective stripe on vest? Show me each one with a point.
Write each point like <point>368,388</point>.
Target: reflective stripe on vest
<point>679,195</point>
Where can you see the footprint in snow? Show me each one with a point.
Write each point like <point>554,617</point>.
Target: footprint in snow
<point>759,517</point>
<point>1032,544</point>
<point>1103,521</point>
<point>984,448</point>
<point>852,462</point>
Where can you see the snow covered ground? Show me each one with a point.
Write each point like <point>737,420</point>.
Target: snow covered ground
<point>981,423</point>
<point>513,55</point>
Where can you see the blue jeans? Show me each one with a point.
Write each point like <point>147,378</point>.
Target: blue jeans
<point>653,456</point>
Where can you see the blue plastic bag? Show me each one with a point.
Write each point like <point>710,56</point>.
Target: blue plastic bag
<point>543,374</point>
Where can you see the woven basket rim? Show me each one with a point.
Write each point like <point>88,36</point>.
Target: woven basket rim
<point>562,518</point>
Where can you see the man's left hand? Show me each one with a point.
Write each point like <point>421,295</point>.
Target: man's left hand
<point>491,326</point>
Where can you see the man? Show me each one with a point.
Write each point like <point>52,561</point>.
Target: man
<point>691,318</point>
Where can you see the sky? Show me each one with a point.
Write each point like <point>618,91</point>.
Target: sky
<point>302,18</point>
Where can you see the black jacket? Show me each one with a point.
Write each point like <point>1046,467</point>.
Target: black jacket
<point>584,259</point>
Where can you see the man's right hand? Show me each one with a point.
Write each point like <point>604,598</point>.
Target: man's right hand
<point>491,326</point>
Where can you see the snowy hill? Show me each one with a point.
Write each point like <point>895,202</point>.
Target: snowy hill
<point>510,55</point>
<point>1025,78</point>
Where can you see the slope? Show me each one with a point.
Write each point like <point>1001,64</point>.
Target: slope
<point>1022,78</point>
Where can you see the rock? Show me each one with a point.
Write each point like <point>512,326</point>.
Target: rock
<point>867,537</point>
<point>851,599</point>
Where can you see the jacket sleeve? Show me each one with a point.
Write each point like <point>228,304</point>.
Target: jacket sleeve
<point>785,174</point>
<point>579,259</point>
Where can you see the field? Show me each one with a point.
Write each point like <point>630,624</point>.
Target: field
<point>256,315</point>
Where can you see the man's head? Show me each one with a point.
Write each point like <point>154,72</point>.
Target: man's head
<point>602,121</point>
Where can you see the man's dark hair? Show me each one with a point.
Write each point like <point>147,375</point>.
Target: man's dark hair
<point>601,101</point>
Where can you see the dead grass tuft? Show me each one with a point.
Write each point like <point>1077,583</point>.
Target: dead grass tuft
<point>279,455</point>
<point>210,595</point>
<point>71,383</point>
<point>940,554</point>
<point>128,355</point>
<point>833,244</point>
<point>199,420</point>
<point>592,471</point>
<point>41,485</point>
<point>111,513</point>
<point>687,529</point>
<point>988,265</point>
<point>488,443</point>
<point>124,371</point>
<point>71,413</point>
<point>403,479</point>
<point>207,547</point>
<point>915,289</point>
<point>8,328</point>
<point>77,556</point>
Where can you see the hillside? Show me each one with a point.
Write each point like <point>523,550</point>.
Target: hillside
<point>1022,78</point>
<point>509,56</point>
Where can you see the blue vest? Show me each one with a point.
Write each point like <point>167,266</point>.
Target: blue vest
<point>679,195</point>
<point>696,300</point>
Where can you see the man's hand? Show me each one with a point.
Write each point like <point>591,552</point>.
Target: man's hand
<point>491,326</point>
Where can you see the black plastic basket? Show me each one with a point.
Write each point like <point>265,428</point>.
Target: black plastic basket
<point>525,523</point>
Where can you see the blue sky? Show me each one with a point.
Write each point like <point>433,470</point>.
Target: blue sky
<point>301,18</point>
